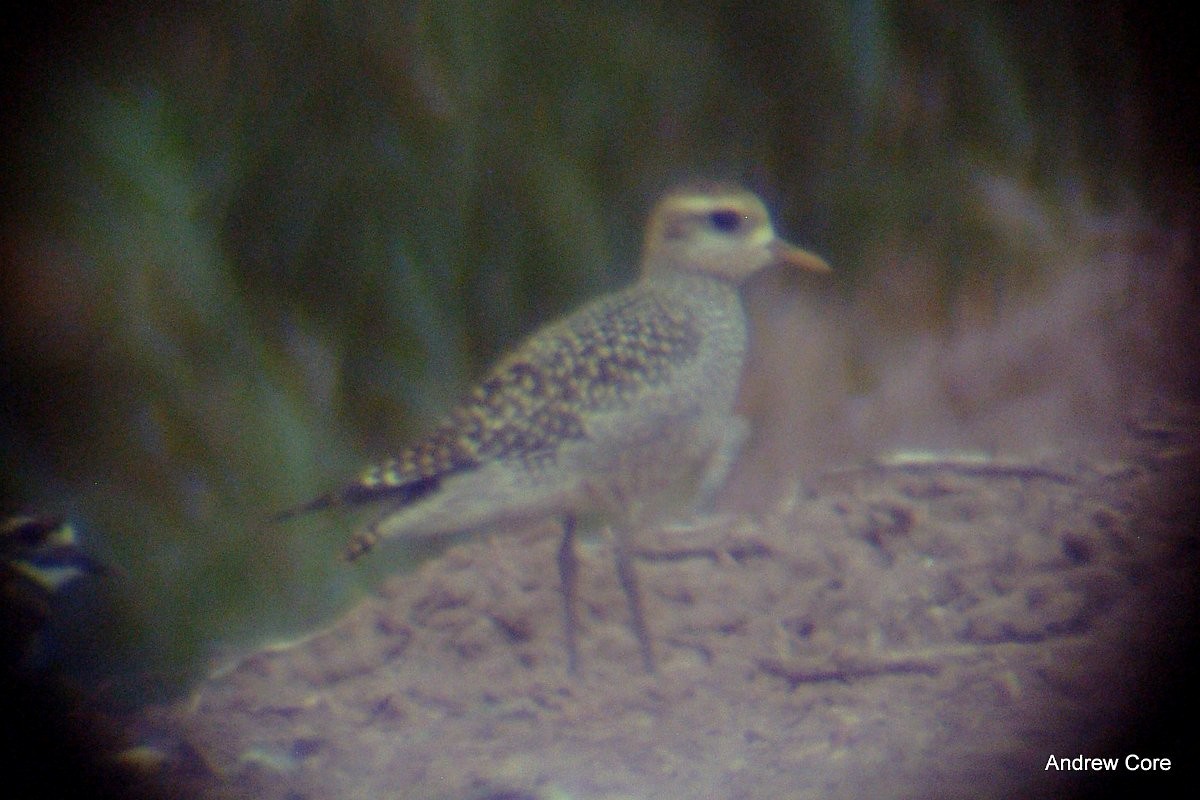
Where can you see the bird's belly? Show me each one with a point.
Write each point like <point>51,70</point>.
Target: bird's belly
<point>637,466</point>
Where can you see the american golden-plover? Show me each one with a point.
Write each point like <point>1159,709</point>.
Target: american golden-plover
<point>605,412</point>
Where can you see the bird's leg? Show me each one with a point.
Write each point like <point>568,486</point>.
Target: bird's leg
<point>568,573</point>
<point>633,597</point>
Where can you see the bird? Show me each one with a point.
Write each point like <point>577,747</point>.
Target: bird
<point>39,555</point>
<point>602,413</point>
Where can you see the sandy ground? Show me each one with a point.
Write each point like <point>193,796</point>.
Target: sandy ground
<point>900,629</point>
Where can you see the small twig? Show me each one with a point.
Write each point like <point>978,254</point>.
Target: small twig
<point>844,673</point>
<point>972,465</point>
<point>681,554</point>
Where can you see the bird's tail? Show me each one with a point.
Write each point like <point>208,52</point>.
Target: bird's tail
<point>357,494</point>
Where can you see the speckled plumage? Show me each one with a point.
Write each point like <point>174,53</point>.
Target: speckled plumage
<point>627,399</point>
<point>539,397</point>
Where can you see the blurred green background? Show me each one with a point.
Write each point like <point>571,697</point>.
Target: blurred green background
<point>250,247</point>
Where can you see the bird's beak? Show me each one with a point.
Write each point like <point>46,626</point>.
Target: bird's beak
<point>798,257</point>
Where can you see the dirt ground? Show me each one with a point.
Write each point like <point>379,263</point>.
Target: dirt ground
<point>909,628</point>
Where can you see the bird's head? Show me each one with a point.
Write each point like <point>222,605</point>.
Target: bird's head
<point>722,231</point>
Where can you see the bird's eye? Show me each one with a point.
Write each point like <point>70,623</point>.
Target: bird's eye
<point>726,220</point>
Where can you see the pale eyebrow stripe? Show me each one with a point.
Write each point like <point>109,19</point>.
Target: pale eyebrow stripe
<point>701,203</point>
